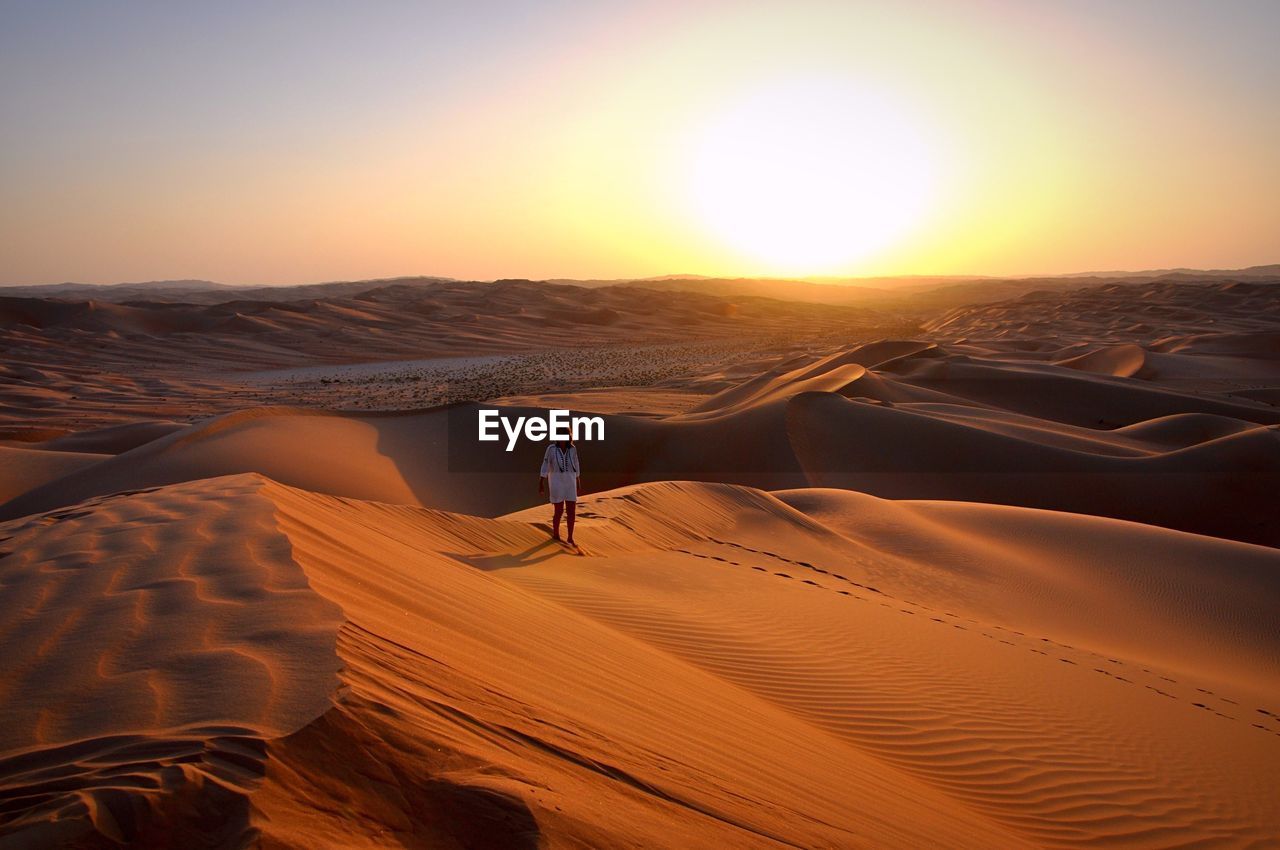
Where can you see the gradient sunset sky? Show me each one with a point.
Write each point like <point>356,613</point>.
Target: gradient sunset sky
<point>277,142</point>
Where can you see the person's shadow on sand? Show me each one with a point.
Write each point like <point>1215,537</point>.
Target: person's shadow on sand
<point>537,553</point>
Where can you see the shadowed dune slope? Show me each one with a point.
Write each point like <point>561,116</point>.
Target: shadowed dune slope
<point>113,439</point>
<point>23,469</point>
<point>1126,360</point>
<point>414,458</point>
<point>1223,486</point>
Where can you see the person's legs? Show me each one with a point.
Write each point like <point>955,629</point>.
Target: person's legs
<point>573,509</point>
<point>555,522</point>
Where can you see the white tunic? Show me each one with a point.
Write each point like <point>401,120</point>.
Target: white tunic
<point>560,468</point>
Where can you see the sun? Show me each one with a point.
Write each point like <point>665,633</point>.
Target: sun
<point>807,176</point>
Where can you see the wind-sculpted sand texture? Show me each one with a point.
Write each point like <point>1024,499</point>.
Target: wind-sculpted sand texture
<point>812,669</point>
<point>153,642</point>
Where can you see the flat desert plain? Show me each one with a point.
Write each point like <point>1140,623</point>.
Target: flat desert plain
<point>983,565</point>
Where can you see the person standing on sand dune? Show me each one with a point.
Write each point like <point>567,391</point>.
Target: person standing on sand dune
<point>560,473</point>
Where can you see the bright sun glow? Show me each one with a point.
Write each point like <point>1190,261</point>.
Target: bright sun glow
<point>806,177</point>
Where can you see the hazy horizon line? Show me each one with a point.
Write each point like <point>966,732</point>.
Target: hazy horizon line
<point>828,280</point>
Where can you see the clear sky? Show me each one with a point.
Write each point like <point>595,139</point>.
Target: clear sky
<point>281,142</point>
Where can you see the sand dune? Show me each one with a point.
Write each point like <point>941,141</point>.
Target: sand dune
<point>792,376</point>
<point>1009,582</point>
<point>141,686</point>
<point>1183,601</point>
<point>898,419</point>
<point>407,458</point>
<point>75,363</point>
<point>113,439</point>
<point>831,670</point>
<point>23,469</point>
<point>1119,312</point>
<point>1223,487</point>
<point>1125,360</point>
